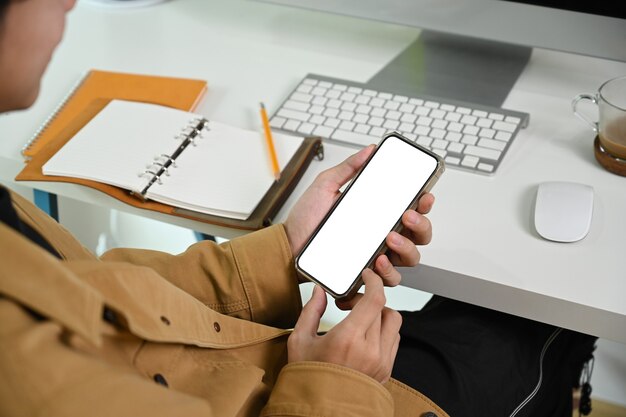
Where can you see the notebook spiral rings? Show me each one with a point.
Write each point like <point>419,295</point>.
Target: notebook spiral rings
<point>53,115</point>
<point>161,164</point>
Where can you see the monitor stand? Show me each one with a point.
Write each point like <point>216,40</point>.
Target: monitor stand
<point>455,67</point>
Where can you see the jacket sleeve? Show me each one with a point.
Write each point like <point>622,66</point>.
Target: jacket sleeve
<point>250,277</point>
<point>324,390</point>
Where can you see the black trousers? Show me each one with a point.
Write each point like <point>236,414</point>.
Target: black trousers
<point>473,361</point>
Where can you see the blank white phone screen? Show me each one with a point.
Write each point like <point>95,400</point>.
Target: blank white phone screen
<point>368,211</point>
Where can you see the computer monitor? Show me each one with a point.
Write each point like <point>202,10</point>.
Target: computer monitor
<point>474,50</point>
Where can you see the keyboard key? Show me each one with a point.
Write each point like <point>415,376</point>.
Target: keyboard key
<point>438,134</point>
<point>464,110</point>
<point>309,81</point>
<point>422,130</point>
<point>421,111</point>
<point>391,124</point>
<point>482,122</point>
<point>393,115</point>
<point>437,114</point>
<point>333,104</point>
<point>377,102</point>
<point>487,133</point>
<point>512,119</point>
<point>354,137</point>
<point>469,139</point>
<point>439,124</point>
<point>345,115</point>
<point>330,122</point>
<point>492,144</point>
<point>447,107</point>
<point>496,116</point>
<point>363,109</point>
<point>323,131</point>
<point>401,99</point>
<point>440,144</point>
<point>482,152</point>
<point>277,122</point>
<point>378,112</point>
<point>301,97</point>
<point>325,84</point>
<point>331,112</point>
<point>317,120</point>
<point>385,96</point>
<point>455,147</point>
<point>470,161</point>
<point>454,136</point>
<point>455,127</point>
<point>507,127</point>
<point>485,167</point>
<point>340,87</point>
<point>424,121</point>
<point>304,88</point>
<point>319,91</point>
<point>376,121</point>
<point>410,136</point>
<point>291,125</point>
<point>471,130</point>
<point>316,110</point>
<point>440,152</point>
<point>407,108</point>
<point>306,128</point>
<point>452,160</point>
<point>361,128</point>
<point>360,118</point>
<point>468,120</point>
<point>370,93</point>
<point>333,94</point>
<point>406,127</point>
<point>293,114</point>
<point>361,99</point>
<point>391,105</point>
<point>505,136</point>
<point>416,101</point>
<point>355,90</point>
<point>479,113</point>
<point>377,132</point>
<point>453,117</point>
<point>296,105</point>
<point>408,118</point>
<point>346,125</point>
<point>348,106</point>
<point>432,104</point>
<point>424,141</point>
<point>320,101</point>
<point>347,97</point>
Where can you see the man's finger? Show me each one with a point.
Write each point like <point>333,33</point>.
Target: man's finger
<point>371,303</point>
<point>309,320</point>
<point>337,176</point>
<point>404,252</point>
<point>417,227</point>
<point>390,275</point>
<point>425,203</point>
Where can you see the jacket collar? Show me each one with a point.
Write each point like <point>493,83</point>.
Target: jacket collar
<point>36,279</point>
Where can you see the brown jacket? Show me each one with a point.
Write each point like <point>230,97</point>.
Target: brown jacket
<point>144,333</point>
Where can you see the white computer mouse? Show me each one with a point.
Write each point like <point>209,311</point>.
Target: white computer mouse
<point>563,211</point>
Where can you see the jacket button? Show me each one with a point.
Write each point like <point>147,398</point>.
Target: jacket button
<point>160,379</point>
<point>109,316</point>
<point>165,320</point>
<point>429,414</point>
<point>217,327</point>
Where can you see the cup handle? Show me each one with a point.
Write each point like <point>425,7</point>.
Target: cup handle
<point>594,100</point>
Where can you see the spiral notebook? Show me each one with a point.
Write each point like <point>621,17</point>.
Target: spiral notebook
<point>177,159</point>
<point>180,93</point>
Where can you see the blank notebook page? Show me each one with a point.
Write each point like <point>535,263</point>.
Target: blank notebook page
<point>226,174</point>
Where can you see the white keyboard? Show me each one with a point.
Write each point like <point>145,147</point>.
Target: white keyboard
<point>467,136</point>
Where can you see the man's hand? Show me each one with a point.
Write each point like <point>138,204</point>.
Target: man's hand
<point>313,205</point>
<point>366,340</point>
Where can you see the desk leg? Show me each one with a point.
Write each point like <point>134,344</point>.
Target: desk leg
<point>47,202</point>
<point>202,236</point>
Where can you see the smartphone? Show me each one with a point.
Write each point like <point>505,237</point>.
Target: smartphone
<point>352,235</point>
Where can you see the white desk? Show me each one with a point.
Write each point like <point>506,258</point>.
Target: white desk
<point>485,249</point>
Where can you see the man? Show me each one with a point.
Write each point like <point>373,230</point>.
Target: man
<point>146,333</point>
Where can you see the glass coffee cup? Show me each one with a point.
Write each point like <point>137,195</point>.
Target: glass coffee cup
<point>611,124</point>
